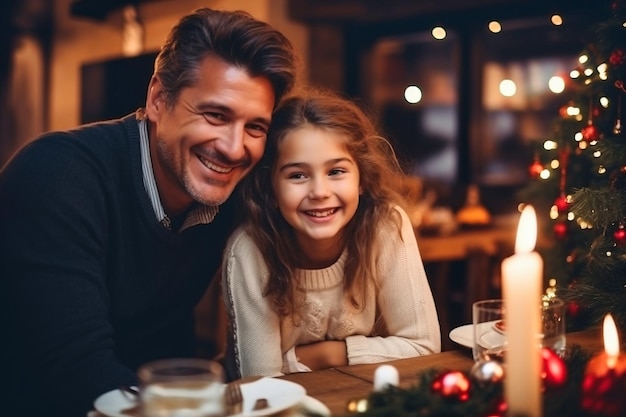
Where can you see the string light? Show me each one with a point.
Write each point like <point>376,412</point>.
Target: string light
<point>413,94</point>
<point>556,84</point>
<point>439,33</point>
<point>604,102</point>
<point>556,20</point>
<point>508,88</point>
<point>495,26</point>
<point>550,145</point>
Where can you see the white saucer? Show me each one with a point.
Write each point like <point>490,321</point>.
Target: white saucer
<point>463,335</point>
<point>114,403</point>
<point>280,394</point>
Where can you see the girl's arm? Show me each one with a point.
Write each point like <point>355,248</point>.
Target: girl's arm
<point>405,303</point>
<point>254,328</point>
<point>322,355</point>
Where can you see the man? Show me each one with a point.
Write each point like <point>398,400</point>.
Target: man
<point>111,232</point>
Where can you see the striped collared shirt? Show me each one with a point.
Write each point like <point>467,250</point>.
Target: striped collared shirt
<point>200,214</point>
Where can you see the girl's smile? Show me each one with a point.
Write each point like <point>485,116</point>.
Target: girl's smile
<point>321,213</point>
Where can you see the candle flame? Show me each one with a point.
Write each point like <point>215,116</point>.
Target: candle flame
<point>611,340</point>
<point>526,231</point>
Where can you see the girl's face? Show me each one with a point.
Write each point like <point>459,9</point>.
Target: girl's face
<point>316,184</point>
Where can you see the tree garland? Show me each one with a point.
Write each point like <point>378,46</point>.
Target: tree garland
<point>485,399</point>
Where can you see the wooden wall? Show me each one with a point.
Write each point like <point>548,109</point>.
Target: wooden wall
<point>45,46</point>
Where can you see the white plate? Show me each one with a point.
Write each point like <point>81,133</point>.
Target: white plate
<point>280,395</point>
<point>463,335</point>
<point>113,404</point>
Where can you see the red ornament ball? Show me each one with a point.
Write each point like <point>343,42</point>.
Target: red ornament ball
<point>590,132</point>
<point>620,235</point>
<point>535,169</point>
<point>554,370</point>
<point>452,384</point>
<point>595,111</point>
<point>560,230</point>
<point>617,57</point>
<point>562,204</point>
<point>573,309</point>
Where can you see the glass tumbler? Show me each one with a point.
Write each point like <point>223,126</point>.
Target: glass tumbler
<point>181,388</point>
<point>488,326</point>
<point>553,313</point>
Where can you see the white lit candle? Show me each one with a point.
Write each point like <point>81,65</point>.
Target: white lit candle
<point>522,276</point>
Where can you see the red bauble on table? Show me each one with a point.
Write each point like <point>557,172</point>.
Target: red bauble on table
<point>554,370</point>
<point>452,384</point>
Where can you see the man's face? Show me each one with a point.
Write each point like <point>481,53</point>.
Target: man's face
<point>212,136</point>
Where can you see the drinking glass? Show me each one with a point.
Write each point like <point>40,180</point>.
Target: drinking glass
<point>489,340</point>
<point>181,388</point>
<point>489,328</point>
<point>553,325</point>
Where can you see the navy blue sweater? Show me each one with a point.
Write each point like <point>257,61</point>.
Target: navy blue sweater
<point>91,284</point>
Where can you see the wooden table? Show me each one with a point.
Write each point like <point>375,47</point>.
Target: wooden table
<point>460,244</point>
<point>336,386</point>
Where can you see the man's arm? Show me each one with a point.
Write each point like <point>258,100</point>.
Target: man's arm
<point>53,260</point>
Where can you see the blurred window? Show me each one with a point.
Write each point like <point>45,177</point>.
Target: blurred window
<point>484,97</point>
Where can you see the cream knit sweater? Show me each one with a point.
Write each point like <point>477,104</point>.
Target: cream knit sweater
<point>399,319</point>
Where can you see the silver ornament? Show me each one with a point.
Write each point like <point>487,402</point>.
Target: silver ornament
<point>487,372</point>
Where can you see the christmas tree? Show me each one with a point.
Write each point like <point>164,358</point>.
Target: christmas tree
<point>578,184</point>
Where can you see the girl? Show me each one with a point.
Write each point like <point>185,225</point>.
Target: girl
<point>325,271</point>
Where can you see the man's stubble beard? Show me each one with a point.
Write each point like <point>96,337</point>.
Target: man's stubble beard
<point>179,173</point>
